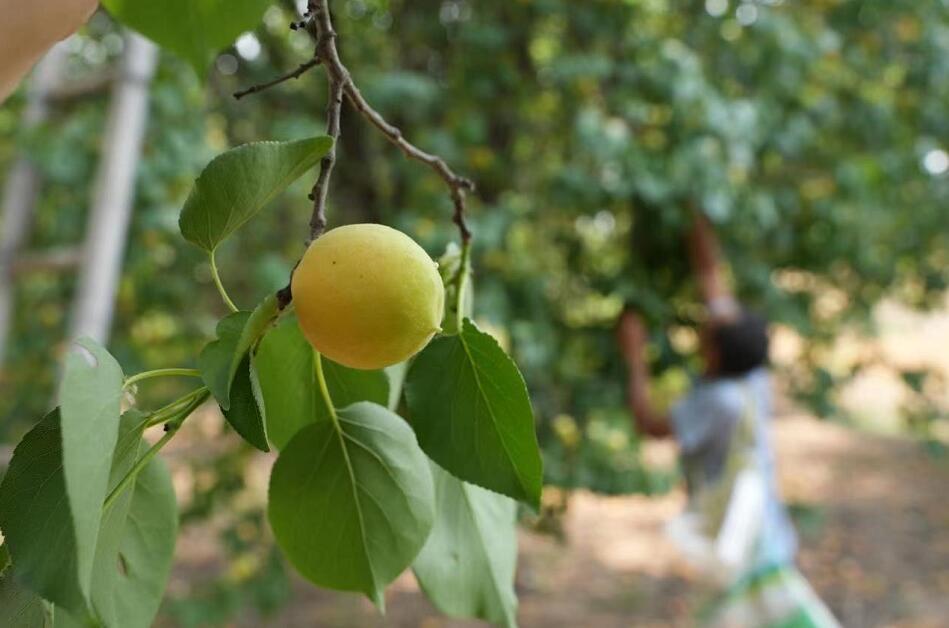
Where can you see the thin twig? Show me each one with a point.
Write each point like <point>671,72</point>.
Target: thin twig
<point>220,286</point>
<point>300,71</point>
<point>171,428</point>
<point>458,185</point>
<point>326,50</point>
<point>319,24</point>
<point>176,372</point>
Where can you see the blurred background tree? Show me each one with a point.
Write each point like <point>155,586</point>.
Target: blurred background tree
<point>813,134</point>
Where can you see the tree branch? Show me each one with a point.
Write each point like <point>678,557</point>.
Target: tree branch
<point>318,22</point>
<point>300,71</point>
<point>326,50</point>
<point>322,28</point>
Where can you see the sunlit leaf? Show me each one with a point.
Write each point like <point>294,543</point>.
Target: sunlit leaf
<point>90,398</point>
<point>467,565</point>
<point>134,544</point>
<point>146,547</point>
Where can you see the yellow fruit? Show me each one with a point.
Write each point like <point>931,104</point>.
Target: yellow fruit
<point>367,296</point>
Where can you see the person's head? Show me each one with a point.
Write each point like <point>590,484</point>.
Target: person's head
<point>734,345</point>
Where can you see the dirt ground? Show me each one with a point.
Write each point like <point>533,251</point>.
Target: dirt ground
<point>872,511</point>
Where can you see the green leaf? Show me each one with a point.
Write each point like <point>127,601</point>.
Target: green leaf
<point>33,497</point>
<point>284,364</point>
<point>246,414</point>
<point>104,573</point>
<point>260,319</point>
<point>90,398</point>
<point>21,608</point>
<point>237,184</point>
<point>62,619</point>
<point>466,567</point>
<point>192,29</point>
<point>225,366</point>
<point>116,579</point>
<point>146,547</point>
<point>137,541</point>
<point>351,501</point>
<point>134,544</point>
<point>469,406</point>
<point>217,358</point>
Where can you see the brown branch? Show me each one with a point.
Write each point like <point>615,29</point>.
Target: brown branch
<point>322,27</point>
<point>457,185</point>
<point>300,71</point>
<point>319,23</point>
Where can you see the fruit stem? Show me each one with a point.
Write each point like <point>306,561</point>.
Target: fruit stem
<point>220,286</point>
<point>160,373</point>
<point>171,428</point>
<point>461,282</point>
<point>324,389</point>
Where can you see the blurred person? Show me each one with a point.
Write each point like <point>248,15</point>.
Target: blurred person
<point>735,528</point>
<point>28,28</point>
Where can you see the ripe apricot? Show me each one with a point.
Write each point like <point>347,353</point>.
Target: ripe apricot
<point>367,296</point>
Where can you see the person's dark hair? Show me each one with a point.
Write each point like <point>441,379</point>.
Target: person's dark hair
<point>741,344</point>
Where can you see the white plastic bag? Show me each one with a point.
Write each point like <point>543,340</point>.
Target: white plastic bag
<point>719,532</point>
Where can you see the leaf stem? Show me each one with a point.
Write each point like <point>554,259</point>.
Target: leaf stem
<point>324,389</point>
<point>171,428</point>
<point>167,412</point>
<point>461,282</point>
<point>220,286</point>
<point>136,469</point>
<point>160,373</point>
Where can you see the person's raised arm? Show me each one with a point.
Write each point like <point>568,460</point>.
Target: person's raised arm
<point>632,340</point>
<point>28,28</point>
<point>705,255</point>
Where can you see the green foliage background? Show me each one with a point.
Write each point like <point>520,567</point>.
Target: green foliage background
<point>590,128</point>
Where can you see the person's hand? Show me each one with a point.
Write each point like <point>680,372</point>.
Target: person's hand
<point>632,334</point>
<point>29,29</point>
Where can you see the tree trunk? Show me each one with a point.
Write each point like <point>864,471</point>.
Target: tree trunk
<point>113,193</point>
<point>22,186</point>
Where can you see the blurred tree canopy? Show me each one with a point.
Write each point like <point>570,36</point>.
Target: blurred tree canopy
<point>813,133</point>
